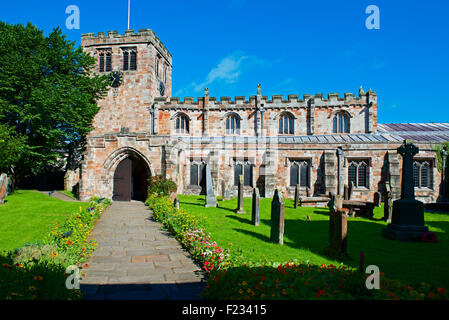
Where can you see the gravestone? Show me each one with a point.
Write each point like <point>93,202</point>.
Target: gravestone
<point>227,195</point>
<point>377,199</point>
<point>296,196</point>
<point>211,199</point>
<point>3,187</point>
<point>388,202</point>
<point>240,209</point>
<point>277,219</point>
<point>176,203</point>
<point>338,229</point>
<point>350,190</point>
<point>255,207</point>
<point>308,192</point>
<point>407,222</point>
<point>346,192</point>
<point>223,190</point>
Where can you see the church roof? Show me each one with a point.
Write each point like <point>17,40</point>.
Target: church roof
<point>386,133</point>
<point>420,132</point>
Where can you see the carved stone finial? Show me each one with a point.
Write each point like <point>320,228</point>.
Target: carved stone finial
<point>361,92</point>
<point>259,90</point>
<point>206,92</point>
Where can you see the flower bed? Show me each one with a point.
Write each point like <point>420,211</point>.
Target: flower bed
<point>188,230</point>
<point>37,270</point>
<point>301,281</point>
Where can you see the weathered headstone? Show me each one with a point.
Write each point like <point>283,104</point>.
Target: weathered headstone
<point>296,196</point>
<point>227,195</point>
<point>176,203</point>
<point>308,192</point>
<point>277,219</point>
<point>211,199</point>
<point>338,229</point>
<point>346,192</point>
<point>350,190</point>
<point>240,209</point>
<point>388,202</point>
<point>255,207</point>
<point>3,187</point>
<point>377,199</point>
<point>223,190</point>
<point>407,221</point>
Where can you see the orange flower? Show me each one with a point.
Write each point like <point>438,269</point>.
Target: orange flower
<point>7,266</point>
<point>18,265</point>
<point>38,278</point>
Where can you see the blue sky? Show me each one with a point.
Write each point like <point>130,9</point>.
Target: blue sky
<point>289,47</point>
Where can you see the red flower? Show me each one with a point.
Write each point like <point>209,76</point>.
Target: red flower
<point>431,295</point>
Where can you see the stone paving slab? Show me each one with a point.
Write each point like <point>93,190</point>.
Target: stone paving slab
<point>136,260</point>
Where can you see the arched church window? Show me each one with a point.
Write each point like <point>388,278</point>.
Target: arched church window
<point>182,124</point>
<point>286,124</point>
<point>358,174</point>
<point>341,123</point>
<point>422,174</point>
<point>232,124</point>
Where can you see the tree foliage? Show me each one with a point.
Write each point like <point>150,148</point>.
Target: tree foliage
<point>11,148</point>
<point>47,94</point>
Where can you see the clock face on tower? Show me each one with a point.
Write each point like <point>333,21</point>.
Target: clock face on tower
<point>161,88</point>
<point>116,78</point>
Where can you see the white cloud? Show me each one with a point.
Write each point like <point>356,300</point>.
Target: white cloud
<point>227,71</point>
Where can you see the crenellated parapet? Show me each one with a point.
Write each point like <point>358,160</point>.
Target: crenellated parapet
<point>276,101</point>
<point>130,37</point>
<point>313,114</point>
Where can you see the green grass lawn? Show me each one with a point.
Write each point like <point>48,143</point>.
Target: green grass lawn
<point>305,240</point>
<point>29,215</point>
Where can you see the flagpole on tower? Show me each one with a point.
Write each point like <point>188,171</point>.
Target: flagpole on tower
<point>129,11</point>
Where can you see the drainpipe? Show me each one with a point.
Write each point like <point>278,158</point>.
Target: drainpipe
<point>339,155</point>
<point>152,119</point>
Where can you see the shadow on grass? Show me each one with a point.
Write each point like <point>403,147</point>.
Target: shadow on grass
<point>33,282</point>
<point>392,257</point>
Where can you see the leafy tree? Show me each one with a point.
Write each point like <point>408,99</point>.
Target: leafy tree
<point>439,157</point>
<point>11,148</point>
<point>48,94</point>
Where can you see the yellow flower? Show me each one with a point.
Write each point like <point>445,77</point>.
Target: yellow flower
<point>240,291</point>
<point>31,288</point>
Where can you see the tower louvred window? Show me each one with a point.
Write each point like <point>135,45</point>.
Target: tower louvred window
<point>104,60</point>
<point>129,59</point>
<point>108,62</point>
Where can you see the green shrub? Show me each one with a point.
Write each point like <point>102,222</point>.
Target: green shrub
<point>161,185</point>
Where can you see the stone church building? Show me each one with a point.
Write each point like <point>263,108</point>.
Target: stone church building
<point>319,142</point>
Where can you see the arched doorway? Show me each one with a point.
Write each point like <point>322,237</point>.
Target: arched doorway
<point>131,179</point>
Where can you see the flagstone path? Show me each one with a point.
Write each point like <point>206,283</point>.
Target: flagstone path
<point>137,260</point>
